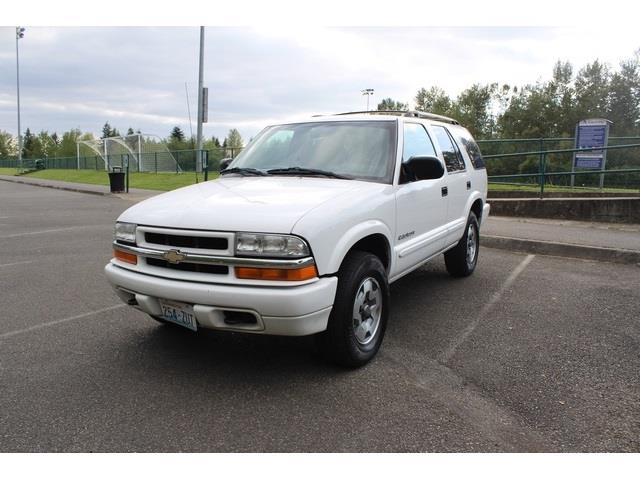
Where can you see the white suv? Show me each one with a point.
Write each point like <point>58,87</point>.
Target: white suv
<point>304,231</point>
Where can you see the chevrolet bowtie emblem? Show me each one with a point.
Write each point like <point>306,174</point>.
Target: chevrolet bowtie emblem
<point>174,256</point>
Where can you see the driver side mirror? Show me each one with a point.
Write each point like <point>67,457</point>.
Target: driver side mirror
<point>423,168</point>
<point>224,163</point>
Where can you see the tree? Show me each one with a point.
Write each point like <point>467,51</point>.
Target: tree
<point>177,134</point>
<point>473,108</point>
<point>7,145</point>
<point>592,90</point>
<point>107,131</point>
<point>68,145</point>
<point>234,139</point>
<point>389,104</point>
<point>434,100</point>
<point>130,131</point>
<point>27,144</point>
<point>624,97</point>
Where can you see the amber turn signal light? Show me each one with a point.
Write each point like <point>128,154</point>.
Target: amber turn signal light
<point>283,274</point>
<point>125,257</point>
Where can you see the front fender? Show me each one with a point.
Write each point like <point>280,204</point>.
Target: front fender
<point>353,236</point>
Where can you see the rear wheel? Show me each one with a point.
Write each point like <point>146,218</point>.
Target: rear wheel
<point>461,260</point>
<point>359,316</point>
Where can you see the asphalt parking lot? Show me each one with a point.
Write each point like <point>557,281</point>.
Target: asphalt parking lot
<point>531,353</point>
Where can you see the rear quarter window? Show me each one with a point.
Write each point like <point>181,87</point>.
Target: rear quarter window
<point>472,149</point>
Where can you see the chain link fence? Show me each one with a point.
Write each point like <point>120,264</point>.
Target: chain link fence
<point>155,162</point>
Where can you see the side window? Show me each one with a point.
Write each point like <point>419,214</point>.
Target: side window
<point>450,151</point>
<point>473,150</point>
<point>416,142</point>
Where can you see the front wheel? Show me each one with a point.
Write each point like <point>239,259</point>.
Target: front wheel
<point>461,260</point>
<point>359,316</point>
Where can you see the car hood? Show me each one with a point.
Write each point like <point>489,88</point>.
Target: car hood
<point>259,204</point>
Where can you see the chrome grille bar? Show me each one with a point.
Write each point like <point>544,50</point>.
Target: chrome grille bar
<point>217,259</point>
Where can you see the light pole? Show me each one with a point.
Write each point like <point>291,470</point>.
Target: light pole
<point>200,103</point>
<point>19,35</point>
<point>368,92</point>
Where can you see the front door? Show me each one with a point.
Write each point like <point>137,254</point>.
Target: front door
<point>421,206</point>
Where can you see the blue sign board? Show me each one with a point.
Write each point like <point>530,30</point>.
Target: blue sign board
<point>592,162</point>
<point>590,136</point>
<point>592,133</point>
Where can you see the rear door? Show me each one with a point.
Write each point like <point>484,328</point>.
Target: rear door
<point>421,208</point>
<point>456,182</point>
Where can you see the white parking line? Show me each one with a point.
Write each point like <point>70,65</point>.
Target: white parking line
<point>58,322</point>
<point>53,230</point>
<point>16,263</point>
<point>492,301</point>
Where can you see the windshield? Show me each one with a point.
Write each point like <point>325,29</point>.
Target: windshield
<point>360,150</point>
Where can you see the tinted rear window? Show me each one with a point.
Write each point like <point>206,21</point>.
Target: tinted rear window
<point>472,149</point>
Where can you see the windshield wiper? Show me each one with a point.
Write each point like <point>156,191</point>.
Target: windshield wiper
<point>244,171</point>
<point>305,171</point>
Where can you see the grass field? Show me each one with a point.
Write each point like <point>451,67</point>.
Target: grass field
<point>8,171</point>
<point>509,187</point>
<point>151,181</point>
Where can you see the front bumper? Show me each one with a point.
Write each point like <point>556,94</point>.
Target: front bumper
<point>294,311</point>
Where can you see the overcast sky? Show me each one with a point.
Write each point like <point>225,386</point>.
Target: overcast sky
<point>135,77</point>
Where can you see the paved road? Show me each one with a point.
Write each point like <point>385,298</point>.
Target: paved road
<point>529,354</point>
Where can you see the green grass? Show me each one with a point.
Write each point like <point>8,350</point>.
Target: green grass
<point>150,181</point>
<point>8,171</point>
<point>510,187</point>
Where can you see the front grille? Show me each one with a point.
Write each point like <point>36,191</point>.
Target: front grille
<point>189,267</point>
<point>208,243</point>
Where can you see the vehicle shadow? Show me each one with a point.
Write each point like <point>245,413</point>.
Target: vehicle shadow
<point>241,357</point>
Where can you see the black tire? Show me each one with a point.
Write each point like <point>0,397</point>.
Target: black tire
<point>362,278</point>
<point>457,259</point>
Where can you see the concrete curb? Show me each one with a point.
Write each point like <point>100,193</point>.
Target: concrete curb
<point>542,247</point>
<point>78,189</point>
<point>611,210</point>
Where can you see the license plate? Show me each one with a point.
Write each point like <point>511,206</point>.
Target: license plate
<point>179,313</point>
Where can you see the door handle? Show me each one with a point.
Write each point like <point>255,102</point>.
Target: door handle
<point>445,191</point>
<point>468,184</point>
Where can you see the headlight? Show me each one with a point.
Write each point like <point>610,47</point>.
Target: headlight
<point>263,245</point>
<point>125,232</point>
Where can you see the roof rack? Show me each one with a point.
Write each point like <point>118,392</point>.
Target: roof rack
<point>405,113</point>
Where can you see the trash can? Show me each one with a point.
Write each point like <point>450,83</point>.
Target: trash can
<point>116,180</point>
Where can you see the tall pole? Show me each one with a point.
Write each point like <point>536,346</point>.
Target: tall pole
<point>19,35</point>
<point>200,106</point>
<point>140,169</point>
<point>368,92</point>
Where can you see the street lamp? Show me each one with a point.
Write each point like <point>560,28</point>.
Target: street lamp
<point>19,35</point>
<point>368,92</point>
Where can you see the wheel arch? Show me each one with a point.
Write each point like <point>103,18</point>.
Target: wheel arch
<point>476,205</point>
<point>373,237</point>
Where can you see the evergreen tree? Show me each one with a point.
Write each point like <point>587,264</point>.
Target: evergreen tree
<point>27,144</point>
<point>177,134</point>
<point>106,130</point>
